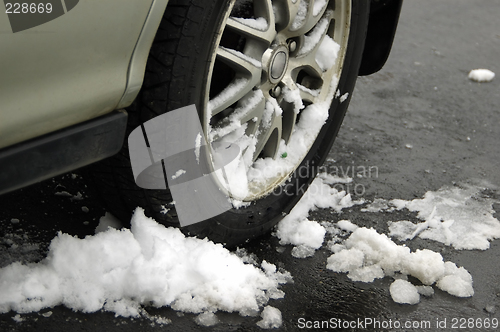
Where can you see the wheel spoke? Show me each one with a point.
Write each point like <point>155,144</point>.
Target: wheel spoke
<point>248,73</point>
<point>241,63</point>
<point>307,16</point>
<point>269,131</point>
<point>249,110</point>
<point>313,39</point>
<point>307,94</point>
<point>285,12</point>
<point>262,28</point>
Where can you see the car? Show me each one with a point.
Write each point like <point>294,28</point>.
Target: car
<point>272,77</point>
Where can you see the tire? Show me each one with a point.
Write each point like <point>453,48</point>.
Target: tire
<point>187,65</point>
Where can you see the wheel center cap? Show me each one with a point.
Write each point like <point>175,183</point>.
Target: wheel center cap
<point>276,63</point>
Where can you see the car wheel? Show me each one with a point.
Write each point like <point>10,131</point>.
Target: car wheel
<point>273,77</point>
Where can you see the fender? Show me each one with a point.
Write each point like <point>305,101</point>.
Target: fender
<point>383,20</point>
<point>137,66</point>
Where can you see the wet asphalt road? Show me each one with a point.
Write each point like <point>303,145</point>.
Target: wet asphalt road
<point>422,98</point>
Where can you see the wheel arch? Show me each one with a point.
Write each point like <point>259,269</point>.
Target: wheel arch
<point>384,17</point>
<point>137,65</point>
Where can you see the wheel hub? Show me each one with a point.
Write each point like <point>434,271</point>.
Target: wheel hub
<point>276,61</point>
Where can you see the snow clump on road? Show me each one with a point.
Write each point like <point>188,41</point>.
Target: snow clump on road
<point>367,255</point>
<point>481,75</point>
<point>308,235</point>
<point>461,217</point>
<point>271,318</point>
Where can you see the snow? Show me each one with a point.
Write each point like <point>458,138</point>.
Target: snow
<point>347,225</point>
<point>403,291</point>
<point>229,92</point>
<point>293,97</point>
<point>425,290</point>
<point>259,23</point>
<point>124,270</point>
<point>245,106</point>
<point>457,281</point>
<point>243,56</point>
<point>77,197</point>
<point>178,173</point>
<point>300,17</point>
<point>459,216</point>
<point>47,314</point>
<point>327,54</point>
<point>367,255</point>
<point>197,147</point>
<point>318,6</point>
<point>313,93</point>
<point>305,132</point>
<point>18,319</point>
<point>308,235</point>
<point>332,179</point>
<point>490,309</point>
<point>271,318</point>
<point>327,50</point>
<point>377,205</point>
<point>481,75</point>
<point>344,97</point>
<point>314,37</point>
<point>206,319</point>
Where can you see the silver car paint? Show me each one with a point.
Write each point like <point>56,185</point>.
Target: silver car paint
<point>75,67</point>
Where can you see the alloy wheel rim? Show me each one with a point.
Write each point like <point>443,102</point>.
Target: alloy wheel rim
<point>269,66</point>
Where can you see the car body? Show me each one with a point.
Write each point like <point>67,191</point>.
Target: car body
<point>64,84</point>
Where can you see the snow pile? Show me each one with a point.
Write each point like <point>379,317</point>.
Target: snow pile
<point>122,270</point>
<point>307,235</point>
<point>481,75</point>
<point>461,217</point>
<point>403,291</point>
<point>271,318</point>
<point>367,255</point>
